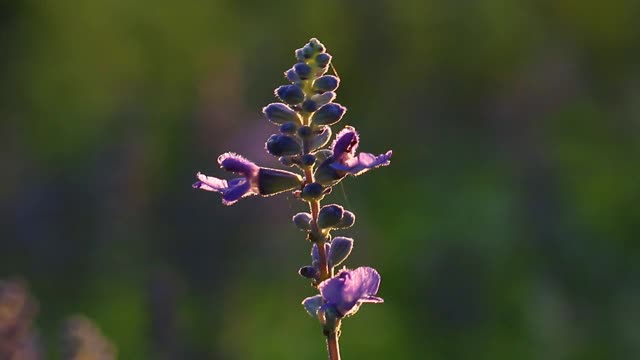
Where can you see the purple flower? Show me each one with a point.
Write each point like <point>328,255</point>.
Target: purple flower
<point>254,180</point>
<point>345,158</point>
<point>235,189</point>
<point>350,288</point>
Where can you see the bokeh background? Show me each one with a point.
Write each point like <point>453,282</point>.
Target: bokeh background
<point>506,227</point>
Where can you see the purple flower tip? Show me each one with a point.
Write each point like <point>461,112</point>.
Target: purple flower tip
<point>237,164</point>
<point>232,190</point>
<point>350,288</point>
<point>346,142</point>
<point>363,163</point>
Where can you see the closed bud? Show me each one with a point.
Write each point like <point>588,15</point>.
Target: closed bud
<point>302,221</point>
<point>305,132</point>
<point>292,76</point>
<point>308,272</point>
<point>320,138</point>
<point>300,55</point>
<point>324,98</point>
<point>326,83</point>
<point>307,51</point>
<point>328,114</point>
<point>348,219</point>
<point>282,145</point>
<point>310,106</point>
<point>340,250</point>
<point>303,70</point>
<point>308,160</point>
<point>322,155</point>
<point>279,113</point>
<point>289,128</point>
<point>323,59</point>
<point>316,45</point>
<point>273,181</point>
<point>329,216</point>
<point>291,94</point>
<point>312,191</point>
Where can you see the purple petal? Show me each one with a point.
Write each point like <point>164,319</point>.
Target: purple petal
<point>346,142</point>
<point>351,287</point>
<point>231,190</point>
<point>237,164</point>
<point>240,188</point>
<point>210,183</point>
<point>363,162</point>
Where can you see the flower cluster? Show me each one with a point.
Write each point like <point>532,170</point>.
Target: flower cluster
<point>304,117</point>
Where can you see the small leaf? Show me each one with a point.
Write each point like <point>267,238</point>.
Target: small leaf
<point>312,304</point>
<point>340,250</point>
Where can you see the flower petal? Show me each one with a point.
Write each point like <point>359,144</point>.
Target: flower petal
<point>346,142</point>
<point>210,183</point>
<point>237,164</point>
<point>350,287</point>
<point>238,189</point>
<point>363,162</point>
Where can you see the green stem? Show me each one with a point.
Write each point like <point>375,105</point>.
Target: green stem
<point>333,347</point>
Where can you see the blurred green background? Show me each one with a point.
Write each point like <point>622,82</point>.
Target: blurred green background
<point>506,227</point>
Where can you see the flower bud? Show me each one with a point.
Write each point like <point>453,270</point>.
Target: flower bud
<point>280,145</point>
<point>324,98</point>
<point>291,94</point>
<point>316,45</point>
<point>312,191</point>
<point>308,272</point>
<point>312,305</point>
<point>300,55</point>
<point>310,106</point>
<point>323,59</point>
<point>305,132</point>
<point>279,113</point>
<point>348,219</point>
<point>329,216</point>
<point>308,160</point>
<point>326,83</point>
<point>320,138</point>
<point>292,76</point>
<point>306,52</point>
<point>289,128</point>
<point>273,181</point>
<point>302,221</point>
<point>340,250</point>
<point>303,70</point>
<point>328,114</point>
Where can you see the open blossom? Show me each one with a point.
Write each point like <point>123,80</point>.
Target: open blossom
<point>344,154</point>
<point>254,180</point>
<point>344,161</point>
<point>232,190</point>
<point>350,288</point>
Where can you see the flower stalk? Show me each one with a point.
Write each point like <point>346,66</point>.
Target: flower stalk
<point>305,116</point>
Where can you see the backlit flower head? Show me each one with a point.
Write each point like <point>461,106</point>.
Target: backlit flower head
<point>350,288</point>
